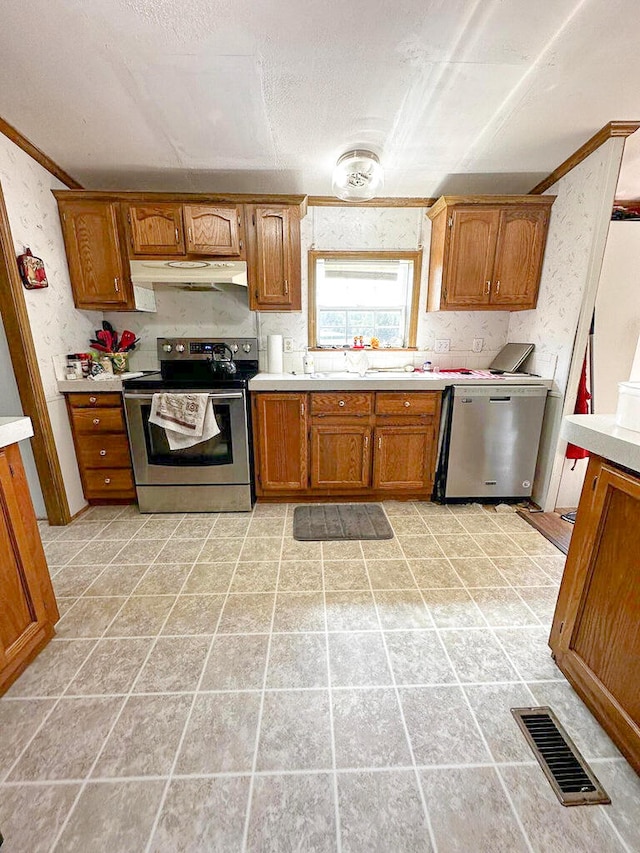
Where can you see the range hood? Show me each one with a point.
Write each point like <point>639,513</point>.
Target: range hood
<point>190,275</point>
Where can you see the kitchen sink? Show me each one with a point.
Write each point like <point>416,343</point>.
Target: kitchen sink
<point>374,374</point>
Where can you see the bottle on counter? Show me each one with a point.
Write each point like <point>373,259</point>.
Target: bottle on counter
<point>427,367</point>
<point>307,362</point>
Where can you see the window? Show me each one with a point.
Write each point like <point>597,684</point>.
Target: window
<point>368,294</point>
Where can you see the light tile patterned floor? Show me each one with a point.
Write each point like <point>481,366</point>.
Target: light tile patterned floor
<point>217,686</point>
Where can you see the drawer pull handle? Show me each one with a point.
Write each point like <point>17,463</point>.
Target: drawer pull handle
<point>107,480</point>
<point>379,442</point>
<point>366,441</point>
<point>177,235</point>
<point>96,421</point>
<point>406,404</point>
<point>341,403</point>
<point>93,399</point>
<point>103,453</point>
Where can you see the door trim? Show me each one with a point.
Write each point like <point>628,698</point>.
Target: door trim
<point>13,310</point>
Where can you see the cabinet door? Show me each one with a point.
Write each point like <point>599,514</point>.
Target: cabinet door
<point>212,230</point>
<point>340,456</point>
<point>468,265</point>
<point>522,236</point>
<point>22,613</point>
<point>275,272</point>
<point>596,631</point>
<point>281,439</point>
<point>403,457</point>
<point>90,230</point>
<point>156,229</point>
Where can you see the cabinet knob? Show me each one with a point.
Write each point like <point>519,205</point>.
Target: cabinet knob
<point>103,453</point>
<point>96,421</point>
<point>107,480</point>
<point>406,404</point>
<point>341,403</point>
<point>93,399</point>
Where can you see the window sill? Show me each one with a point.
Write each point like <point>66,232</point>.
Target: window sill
<point>363,349</point>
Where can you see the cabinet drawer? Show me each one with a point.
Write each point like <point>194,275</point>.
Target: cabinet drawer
<point>397,403</point>
<point>100,398</point>
<point>341,404</point>
<point>98,420</point>
<point>108,451</point>
<point>108,481</point>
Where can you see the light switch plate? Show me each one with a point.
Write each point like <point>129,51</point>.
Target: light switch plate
<point>442,345</point>
<point>287,345</point>
<point>477,344</point>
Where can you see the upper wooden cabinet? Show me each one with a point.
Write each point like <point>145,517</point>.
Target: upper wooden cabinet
<point>487,251</point>
<point>103,231</point>
<point>213,230</point>
<point>274,258</point>
<point>99,278</point>
<point>156,229</point>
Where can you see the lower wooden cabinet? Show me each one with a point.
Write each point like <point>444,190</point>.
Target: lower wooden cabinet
<point>351,444</point>
<point>280,442</point>
<point>102,447</point>
<point>596,627</point>
<point>404,457</point>
<point>28,609</point>
<point>340,456</point>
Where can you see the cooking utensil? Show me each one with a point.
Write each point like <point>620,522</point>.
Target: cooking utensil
<point>105,339</point>
<point>126,340</point>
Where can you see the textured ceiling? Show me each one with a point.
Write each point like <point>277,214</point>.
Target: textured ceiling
<point>238,95</point>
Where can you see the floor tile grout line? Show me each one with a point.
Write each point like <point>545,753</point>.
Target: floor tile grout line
<point>405,727</point>
<point>196,693</point>
<point>332,736</point>
<point>338,687</point>
<point>482,736</point>
<point>254,763</point>
<point>122,706</point>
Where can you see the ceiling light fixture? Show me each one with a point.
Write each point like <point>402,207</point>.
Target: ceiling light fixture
<point>358,176</point>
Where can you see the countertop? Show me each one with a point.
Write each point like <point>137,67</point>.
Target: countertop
<point>14,429</point>
<point>383,381</point>
<point>600,435</point>
<point>114,383</point>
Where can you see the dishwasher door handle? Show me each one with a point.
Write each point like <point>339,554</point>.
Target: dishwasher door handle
<point>499,399</point>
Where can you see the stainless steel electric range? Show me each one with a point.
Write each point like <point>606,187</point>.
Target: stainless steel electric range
<point>214,475</point>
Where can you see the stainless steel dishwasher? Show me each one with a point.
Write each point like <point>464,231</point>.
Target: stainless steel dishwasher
<point>489,441</point>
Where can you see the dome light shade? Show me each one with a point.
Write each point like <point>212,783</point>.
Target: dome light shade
<point>358,176</point>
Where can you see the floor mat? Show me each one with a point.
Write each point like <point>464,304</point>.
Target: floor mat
<point>326,522</point>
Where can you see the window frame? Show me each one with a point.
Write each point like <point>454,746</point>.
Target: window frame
<point>386,254</point>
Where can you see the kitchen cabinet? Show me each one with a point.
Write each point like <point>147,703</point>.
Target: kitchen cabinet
<point>29,611</point>
<point>274,258</point>
<point>104,231</point>
<point>98,270</point>
<point>375,445</point>
<point>280,433</point>
<point>213,230</point>
<point>156,229</point>
<point>595,635</point>
<point>487,252</point>
<point>102,446</point>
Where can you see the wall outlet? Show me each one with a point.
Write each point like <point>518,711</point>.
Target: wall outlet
<point>287,344</point>
<point>477,344</point>
<point>442,345</point>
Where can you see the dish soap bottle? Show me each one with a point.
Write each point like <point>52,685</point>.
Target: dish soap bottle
<point>307,362</point>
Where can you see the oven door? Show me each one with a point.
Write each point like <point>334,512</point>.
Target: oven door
<point>221,460</point>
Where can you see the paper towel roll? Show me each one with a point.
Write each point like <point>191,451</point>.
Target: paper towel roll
<point>274,353</point>
<point>635,367</point>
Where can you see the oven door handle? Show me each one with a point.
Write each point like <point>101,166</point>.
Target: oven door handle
<point>233,396</point>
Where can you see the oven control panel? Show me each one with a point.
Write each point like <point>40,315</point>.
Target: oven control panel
<point>197,349</point>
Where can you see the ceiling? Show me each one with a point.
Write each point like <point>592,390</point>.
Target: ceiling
<point>238,95</point>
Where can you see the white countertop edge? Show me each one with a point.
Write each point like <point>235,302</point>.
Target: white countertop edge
<point>381,382</point>
<point>13,430</point>
<point>599,434</point>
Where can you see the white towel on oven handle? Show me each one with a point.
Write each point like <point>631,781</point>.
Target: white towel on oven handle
<point>184,425</point>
